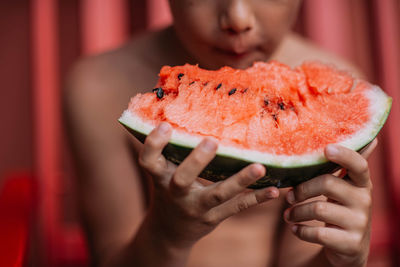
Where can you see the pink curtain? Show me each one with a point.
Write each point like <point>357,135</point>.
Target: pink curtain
<point>104,24</point>
<point>365,32</point>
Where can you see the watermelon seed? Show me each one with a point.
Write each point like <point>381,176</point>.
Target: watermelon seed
<point>192,83</point>
<point>232,91</point>
<point>218,86</point>
<point>180,75</point>
<point>159,91</point>
<point>266,102</point>
<point>281,105</point>
<point>275,117</point>
<point>245,90</point>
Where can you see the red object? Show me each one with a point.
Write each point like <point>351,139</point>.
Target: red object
<point>46,116</point>
<point>104,24</point>
<point>18,200</point>
<point>104,27</point>
<point>62,245</point>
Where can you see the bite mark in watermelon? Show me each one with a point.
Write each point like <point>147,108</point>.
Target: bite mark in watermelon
<point>269,113</point>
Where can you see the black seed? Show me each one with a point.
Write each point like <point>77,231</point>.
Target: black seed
<point>275,117</point>
<point>281,105</point>
<point>232,91</point>
<point>180,75</point>
<point>159,91</point>
<point>245,90</point>
<point>192,83</point>
<point>218,86</point>
<point>266,101</point>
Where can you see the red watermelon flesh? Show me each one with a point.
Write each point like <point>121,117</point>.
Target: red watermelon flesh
<point>268,113</point>
<point>268,107</point>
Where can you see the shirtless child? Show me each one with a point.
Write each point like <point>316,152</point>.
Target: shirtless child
<point>140,210</point>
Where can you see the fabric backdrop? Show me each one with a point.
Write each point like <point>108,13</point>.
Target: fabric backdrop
<point>41,39</point>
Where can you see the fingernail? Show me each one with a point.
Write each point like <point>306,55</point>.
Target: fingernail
<point>294,228</point>
<point>271,194</point>
<point>209,145</point>
<point>290,197</point>
<point>332,150</point>
<point>286,215</point>
<point>164,127</point>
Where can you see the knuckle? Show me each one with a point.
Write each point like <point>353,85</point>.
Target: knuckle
<point>356,244</point>
<point>365,200</point>
<point>177,182</point>
<point>319,209</point>
<point>191,213</point>
<point>301,191</point>
<point>300,232</point>
<point>363,220</point>
<point>217,197</point>
<point>242,205</point>
<point>210,221</point>
<point>142,162</point>
<point>363,167</point>
<point>151,167</point>
<point>321,235</point>
<point>151,142</point>
<point>328,182</point>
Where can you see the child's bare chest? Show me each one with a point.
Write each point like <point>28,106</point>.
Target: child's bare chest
<point>245,240</point>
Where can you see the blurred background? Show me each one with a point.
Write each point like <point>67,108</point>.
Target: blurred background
<point>41,39</point>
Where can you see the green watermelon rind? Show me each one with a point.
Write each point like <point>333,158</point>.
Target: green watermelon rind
<point>225,165</point>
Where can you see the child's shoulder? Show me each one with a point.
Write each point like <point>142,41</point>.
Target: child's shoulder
<point>111,78</point>
<point>129,63</point>
<point>98,87</point>
<point>296,49</point>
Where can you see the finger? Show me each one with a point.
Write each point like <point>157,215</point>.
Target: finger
<point>367,151</point>
<point>150,156</point>
<point>225,190</point>
<point>241,203</point>
<point>328,185</point>
<point>336,239</point>
<point>192,166</point>
<point>327,212</point>
<point>356,165</point>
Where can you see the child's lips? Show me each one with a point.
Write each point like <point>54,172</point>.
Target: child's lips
<point>235,54</point>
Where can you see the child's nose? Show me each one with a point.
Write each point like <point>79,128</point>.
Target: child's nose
<point>237,17</point>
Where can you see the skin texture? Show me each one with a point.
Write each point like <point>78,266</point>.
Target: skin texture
<point>140,210</point>
<point>237,32</point>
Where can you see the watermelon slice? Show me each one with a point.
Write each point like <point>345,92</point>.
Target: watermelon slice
<point>269,113</point>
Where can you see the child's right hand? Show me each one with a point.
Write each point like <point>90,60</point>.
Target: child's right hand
<point>182,209</point>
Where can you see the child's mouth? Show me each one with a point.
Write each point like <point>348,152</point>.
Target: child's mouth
<point>234,54</point>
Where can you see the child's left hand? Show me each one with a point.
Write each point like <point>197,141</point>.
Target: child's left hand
<point>346,214</point>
